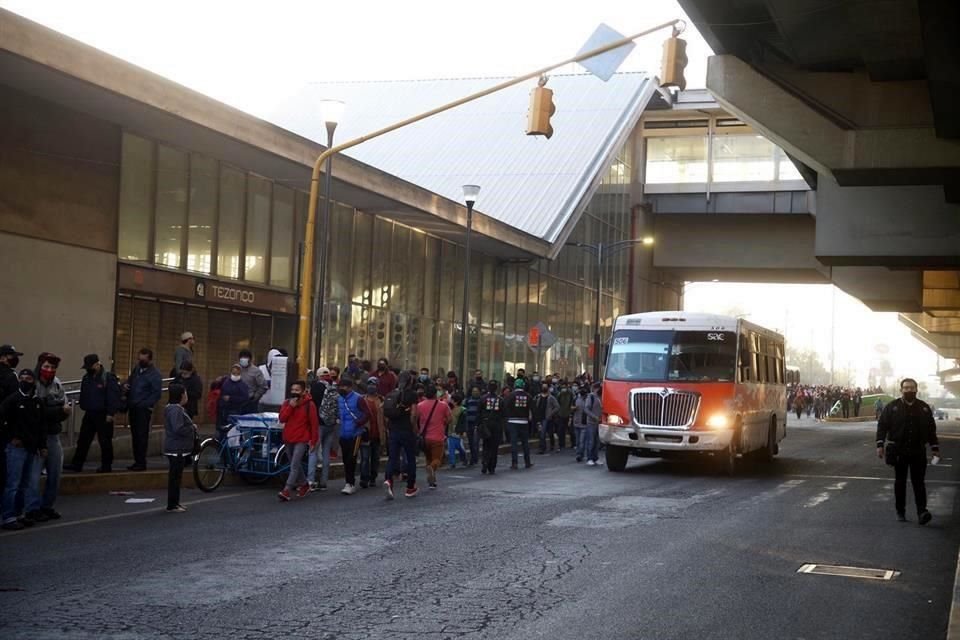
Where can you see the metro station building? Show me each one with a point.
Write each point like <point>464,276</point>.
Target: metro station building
<point>133,209</point>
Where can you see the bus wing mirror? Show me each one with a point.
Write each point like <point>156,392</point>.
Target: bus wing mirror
<point>606,352</point>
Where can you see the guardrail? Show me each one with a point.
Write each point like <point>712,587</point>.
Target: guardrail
<point>72,419</point>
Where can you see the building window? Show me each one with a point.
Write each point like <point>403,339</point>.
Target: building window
<point>203,213</point>
<point>743,158</point>
<point>676,159</point>
<point>281,237</point>
<point>137,176</point>
<point>233,198</point>
<point>171,213</point>
<point>258,230</point>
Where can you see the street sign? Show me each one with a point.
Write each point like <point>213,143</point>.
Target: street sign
<point>606,64</point>
<point>540,337</point>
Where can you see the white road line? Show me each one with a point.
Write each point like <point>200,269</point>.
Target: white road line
<point>817,500</point>
<point>114,516</point>
<point>874,478</point>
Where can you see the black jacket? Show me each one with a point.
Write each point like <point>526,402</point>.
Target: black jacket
<point>23,417</point>
<point>194,388</point>
<point>100,393</point>
<point>517,405</point>
<point>9,382</point>
<point>911,427</point>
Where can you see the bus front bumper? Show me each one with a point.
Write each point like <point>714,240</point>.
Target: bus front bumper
<point>634,437</point>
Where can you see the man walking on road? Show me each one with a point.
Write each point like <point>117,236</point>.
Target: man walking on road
<point>143,393</point>
<point>401,435</point>
<point>100,400</point>
<point>301,433</point>
<point>905,429</point>
<point>491,427</point>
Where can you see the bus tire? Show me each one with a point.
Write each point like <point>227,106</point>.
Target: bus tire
<point>770,451</point>
<point>728,457</point>
<point>616,458</point>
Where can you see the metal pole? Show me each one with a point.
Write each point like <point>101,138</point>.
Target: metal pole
<point>319,293</point>
<point>306,301</point>
<point>596,314</point>
<point>466,298</point>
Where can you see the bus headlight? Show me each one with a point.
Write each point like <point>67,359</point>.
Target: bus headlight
<point>718,421</point>
<point>615,420</point>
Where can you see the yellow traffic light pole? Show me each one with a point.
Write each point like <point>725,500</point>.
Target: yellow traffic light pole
<point>305,326</point>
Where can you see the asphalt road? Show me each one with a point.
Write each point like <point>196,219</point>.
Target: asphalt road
<point>562,550</point>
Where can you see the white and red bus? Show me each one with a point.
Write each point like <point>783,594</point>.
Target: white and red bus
<point>681,383</point>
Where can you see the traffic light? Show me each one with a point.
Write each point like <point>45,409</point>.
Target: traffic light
<point>541,109</point>
<point>674,62</point>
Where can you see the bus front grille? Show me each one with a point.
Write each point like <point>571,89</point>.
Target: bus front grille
<point>664,407</point>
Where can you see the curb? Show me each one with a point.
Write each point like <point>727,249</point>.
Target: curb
<point>155,480</point>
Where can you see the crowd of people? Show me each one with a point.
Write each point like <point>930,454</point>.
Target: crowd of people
<point>358,413</point>
<point>819,400</point>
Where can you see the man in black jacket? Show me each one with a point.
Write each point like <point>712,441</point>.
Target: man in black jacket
<point>21,415</point>
<point>143,393</point>
<point>100,400</point>
<point>904,430</point>
<point>9,359</point>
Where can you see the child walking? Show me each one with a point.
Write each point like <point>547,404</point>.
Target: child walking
<point>179,434</point>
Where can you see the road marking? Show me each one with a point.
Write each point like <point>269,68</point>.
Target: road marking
<point>875,478</point>
<point>817,500</point>
<point>114,516</point>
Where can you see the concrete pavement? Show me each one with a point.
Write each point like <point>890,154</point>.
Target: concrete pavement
<point>664,550</point>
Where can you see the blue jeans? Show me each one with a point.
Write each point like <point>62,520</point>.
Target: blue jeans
<point>403,441</point>
<point>17,489</point>
<point>53,463</point>
<point>581,440</point>
<point>454,446</point>
<point>369,461</point>
<point>545,434</point>
<point>519,437</point>
<point>591,445</point>
<point>328,437</point>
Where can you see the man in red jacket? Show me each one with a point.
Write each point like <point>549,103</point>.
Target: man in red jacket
<point>301,432</point>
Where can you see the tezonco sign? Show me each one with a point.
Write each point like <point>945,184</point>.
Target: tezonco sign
<point>232,294</point>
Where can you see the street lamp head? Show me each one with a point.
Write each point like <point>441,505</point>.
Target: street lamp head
<point>647,241</point>
<point>470,193</point>
<point>331,111</point>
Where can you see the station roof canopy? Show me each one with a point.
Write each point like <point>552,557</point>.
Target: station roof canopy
<point>537,186</point>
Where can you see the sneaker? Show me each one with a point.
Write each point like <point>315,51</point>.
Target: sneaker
<point>37,516</point>
<point>51,513</point>
<point>323,486</point>
<point>483,470</point>
<point>13,525</point>
<point>284,495</point>
<point>303,490</point>
<point>181,507</point>
<point>176,509</point>
<point>433,485</point>
<point>924,517</point>
<point>409,493</point>
<point>314,487</point>
<point>579,458</point>
<point>591,463</point>
<point>348,490</point>
<point>901,517</point>
<point>388,486</point>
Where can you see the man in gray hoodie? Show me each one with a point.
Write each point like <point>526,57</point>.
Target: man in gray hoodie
<point>55,410</point>
<point>251,375</point>
<point>586,423</point>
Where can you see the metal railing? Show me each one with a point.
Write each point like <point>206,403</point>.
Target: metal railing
<point>75,415</point>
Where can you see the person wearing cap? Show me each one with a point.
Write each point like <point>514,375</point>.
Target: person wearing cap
<point>370,445</point>
<point>324,393</point>
<point>21,416</point>
<point>100,400</point>
<point>516,409</point>
<point>183,353</point>
<point>53,400</point>
<point>9,359</point>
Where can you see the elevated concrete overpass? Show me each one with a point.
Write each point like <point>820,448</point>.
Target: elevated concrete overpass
<point>865,97</point>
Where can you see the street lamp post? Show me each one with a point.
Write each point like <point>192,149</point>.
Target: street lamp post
<point>470,193</point>
<point>331,111</point>
<point>602,252</point>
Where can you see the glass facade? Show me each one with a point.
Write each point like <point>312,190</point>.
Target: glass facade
<point>392,290</point>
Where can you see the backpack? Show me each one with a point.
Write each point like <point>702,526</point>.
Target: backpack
<point>391,405</point>
<point>329,409</point>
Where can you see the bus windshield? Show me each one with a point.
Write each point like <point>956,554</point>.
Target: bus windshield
<point>660,356</point>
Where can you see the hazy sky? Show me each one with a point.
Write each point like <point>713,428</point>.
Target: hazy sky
<point>253,55</point>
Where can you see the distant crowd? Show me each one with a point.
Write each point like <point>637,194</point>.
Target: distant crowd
<point>819,400</point>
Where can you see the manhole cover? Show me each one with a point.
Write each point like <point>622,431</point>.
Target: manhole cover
<point>849,572</point>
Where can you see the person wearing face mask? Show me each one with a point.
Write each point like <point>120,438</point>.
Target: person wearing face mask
<point>53,399</point>
<point>190,380</point>
<point>904,430</point>
<point>143,389</point>
<point>586,423</point>
<point>234,397</point>
<point>301,434</point>
<point>253,378</point>
<point>386,379</point>
<point>354,417</point>
<point>545,408</point>
<point>21,415</point>
<point>100,400</point>
<point>476,382</point>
